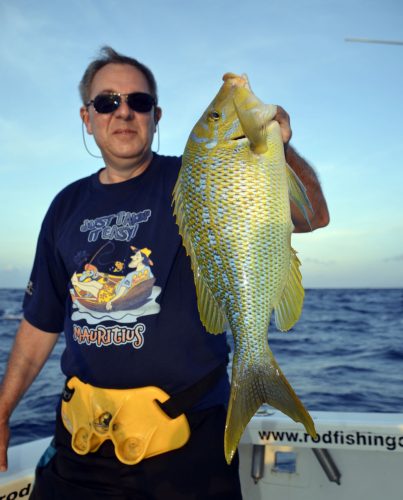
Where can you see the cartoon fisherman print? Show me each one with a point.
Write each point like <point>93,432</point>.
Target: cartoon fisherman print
<point>99,295</point>
<point>140,261</point>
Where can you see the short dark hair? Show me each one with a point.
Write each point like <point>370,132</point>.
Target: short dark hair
<point>108,56</point>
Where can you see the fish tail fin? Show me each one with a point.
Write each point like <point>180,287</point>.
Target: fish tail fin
<point>252,385</point>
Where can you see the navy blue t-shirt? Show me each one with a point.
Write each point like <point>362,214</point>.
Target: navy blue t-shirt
<point>111,271</point>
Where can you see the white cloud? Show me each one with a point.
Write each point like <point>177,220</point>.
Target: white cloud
<point>396,258</point>
<point>14,277</point>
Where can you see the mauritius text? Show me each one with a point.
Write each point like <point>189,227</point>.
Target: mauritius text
<point>103,336</point>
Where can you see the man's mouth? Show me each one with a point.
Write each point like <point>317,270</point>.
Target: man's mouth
<point>124,131</point>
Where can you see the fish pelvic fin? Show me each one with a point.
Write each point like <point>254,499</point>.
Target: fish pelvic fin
<point>288,310</point>
<point>255,384</point>
<point>211,315</point>
<point>298,195</point>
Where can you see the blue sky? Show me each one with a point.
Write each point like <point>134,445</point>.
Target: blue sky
<point>345,102</point>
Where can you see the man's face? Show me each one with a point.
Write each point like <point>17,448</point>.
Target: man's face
<point>136,260</point>
<point>123,136</point>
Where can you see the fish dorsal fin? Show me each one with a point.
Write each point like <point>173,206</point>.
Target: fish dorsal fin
<point>288,310</point>
<point>211,315</point>
<point>298,194</point>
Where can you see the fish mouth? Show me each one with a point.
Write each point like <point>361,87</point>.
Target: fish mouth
<point>238,138</point>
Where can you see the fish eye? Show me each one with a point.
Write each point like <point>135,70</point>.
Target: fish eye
<point>214,115</point>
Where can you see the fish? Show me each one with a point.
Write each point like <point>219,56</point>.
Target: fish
<point>232,206</point>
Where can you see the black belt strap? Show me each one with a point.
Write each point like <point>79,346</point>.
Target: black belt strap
<point>182,401</point>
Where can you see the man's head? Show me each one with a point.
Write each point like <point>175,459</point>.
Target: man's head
<point>110,56</point>
<point>119,109</point>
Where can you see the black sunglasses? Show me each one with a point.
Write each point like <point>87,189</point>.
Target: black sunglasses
<point>108,103</point>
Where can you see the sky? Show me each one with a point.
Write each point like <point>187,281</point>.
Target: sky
<point>344,99</point>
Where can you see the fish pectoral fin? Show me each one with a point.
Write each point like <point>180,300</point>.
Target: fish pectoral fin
<point>288,310</point>
<point>253,385</point>
<point>211,315</point>
<point>254,117</point>
<point>298,194</point>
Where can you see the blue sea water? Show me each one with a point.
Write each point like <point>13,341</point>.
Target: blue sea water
<point>344,354</point>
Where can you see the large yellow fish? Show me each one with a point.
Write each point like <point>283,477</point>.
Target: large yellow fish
<point>232,204</point>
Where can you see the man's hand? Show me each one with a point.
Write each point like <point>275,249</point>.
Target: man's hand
<point>320,215</point>
<point>31,349</point>
<point>4,439</point>
<point>283,119</point>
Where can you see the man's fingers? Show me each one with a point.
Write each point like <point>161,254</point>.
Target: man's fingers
<point>283,119</point>
<point>3,459</point>
<point>4,437</point>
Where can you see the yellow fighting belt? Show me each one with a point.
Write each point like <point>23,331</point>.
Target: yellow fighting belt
<point>130,418</point>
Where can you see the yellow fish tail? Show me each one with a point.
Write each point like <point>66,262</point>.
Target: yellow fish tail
<point>255,384</point>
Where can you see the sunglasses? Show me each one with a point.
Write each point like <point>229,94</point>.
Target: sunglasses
<point>108,103</point>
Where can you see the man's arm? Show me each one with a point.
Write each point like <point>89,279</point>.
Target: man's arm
<point>320,215</point>
<point>31,349</point>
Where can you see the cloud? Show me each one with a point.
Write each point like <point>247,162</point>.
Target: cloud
<point>319,262</point>
<point>396,258</point>
<point>13,277</point>
<point>35,46</point>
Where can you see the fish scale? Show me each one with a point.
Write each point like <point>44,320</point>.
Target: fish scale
<point>232,205</point>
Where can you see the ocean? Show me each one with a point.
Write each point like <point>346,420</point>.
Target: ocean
<point>344,354</point>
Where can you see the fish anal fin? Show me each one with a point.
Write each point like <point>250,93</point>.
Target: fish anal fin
<point>211,315</point>
<point>298,194</point>
<point>288,310</point>
<point>255,384</point>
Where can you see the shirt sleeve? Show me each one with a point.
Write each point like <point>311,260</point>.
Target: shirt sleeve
<point>46,294</point>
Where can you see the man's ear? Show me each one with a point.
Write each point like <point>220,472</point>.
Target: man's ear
<point>157,115</point>
<point>85,117</point>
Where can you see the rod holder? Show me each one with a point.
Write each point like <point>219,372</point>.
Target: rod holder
<point>326,461</point>
<point>258,453</point>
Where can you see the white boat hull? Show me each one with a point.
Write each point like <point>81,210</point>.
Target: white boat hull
<point>365,452</point>
<point>17,482</point>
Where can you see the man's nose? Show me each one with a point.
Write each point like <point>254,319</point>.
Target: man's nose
<point>124,111</point>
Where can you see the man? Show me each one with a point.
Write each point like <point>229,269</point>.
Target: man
<point>151,337</point>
